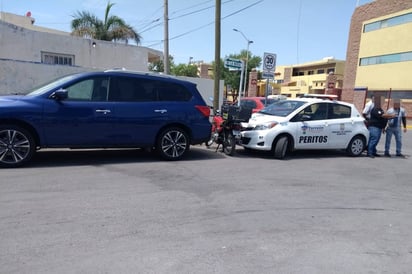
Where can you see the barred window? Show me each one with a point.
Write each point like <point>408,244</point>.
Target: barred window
<point>57,59</point>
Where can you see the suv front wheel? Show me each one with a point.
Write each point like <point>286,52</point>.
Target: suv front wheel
<point>173,143</point>
<point>16,146</point>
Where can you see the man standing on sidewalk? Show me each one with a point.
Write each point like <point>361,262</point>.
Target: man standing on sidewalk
<point>394,128</point>
<point>377,124</point>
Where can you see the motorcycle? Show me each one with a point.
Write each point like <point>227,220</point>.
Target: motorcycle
<point>229,132</point>
<point>217,122</point>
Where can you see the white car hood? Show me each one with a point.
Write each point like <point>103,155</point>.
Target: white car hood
<point>260,118</point>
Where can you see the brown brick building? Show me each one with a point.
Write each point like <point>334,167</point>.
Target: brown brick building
<point>376,39</point>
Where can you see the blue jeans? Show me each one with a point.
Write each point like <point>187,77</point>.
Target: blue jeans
<point>374,137</point>
<point>397,132</point>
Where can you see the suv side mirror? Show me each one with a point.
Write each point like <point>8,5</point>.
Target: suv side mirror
<point>59,94</point>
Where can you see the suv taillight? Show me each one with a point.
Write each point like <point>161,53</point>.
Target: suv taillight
<point>205,110</point>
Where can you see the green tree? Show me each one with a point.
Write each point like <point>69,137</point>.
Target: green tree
<point>113,28</point>
<point>184,70</point>
<point>159,66</point>
<point>232,78</point>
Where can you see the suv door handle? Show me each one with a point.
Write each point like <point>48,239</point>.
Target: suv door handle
<point>104,111</point>
<point>161,110</point>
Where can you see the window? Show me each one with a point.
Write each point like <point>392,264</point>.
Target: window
<point>100,89</point>
<point>311,72</point>
<point>57,59</point>
<point>337,111</point>
<point>390,22</point>
<point>94,89</point>
<point>330,70</point>
<point>248,104</point>
<point>81,91</point>
<point>133,89</point>
<point>172,92</point>
<point>385,59</point>
<point>321,71</point>
<point>130,89</point>
<point>319,111</point>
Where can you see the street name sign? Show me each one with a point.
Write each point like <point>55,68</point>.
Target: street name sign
<point>233,63</point>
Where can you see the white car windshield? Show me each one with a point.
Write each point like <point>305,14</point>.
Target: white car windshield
<point>282,108</point>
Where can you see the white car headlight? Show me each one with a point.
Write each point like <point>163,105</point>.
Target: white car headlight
<point>265,126</point>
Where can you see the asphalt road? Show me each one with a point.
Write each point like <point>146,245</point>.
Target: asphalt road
<point>128,212</point>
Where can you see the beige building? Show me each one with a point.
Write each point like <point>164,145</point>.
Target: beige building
<point>379,54</point>
<point>30,54</point>
<point>323,76</point>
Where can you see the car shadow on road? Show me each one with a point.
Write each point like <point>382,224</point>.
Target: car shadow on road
<point>79,157</point>
<point>296,155</point>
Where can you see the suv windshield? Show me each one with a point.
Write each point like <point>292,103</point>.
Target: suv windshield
<point>51,85</point>
<point>282,108</point>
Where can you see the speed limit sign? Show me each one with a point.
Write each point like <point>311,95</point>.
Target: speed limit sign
<point>269,62</point>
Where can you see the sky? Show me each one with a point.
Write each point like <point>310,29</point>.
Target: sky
<point>297,31</point>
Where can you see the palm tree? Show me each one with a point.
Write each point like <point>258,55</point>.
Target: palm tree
<point>113,28</point>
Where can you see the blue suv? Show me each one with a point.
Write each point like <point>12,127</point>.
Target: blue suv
<point>107,109</point>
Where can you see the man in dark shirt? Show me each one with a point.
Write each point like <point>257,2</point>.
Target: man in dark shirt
<point>377,124</point>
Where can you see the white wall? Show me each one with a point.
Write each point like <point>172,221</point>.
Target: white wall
<point>206,88</point>
<point>21,50</point>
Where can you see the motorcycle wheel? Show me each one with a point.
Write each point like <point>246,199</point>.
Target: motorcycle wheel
<point>229,144</point>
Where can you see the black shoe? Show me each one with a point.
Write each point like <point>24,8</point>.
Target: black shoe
<point>376,155</point>
<point>387,155</point>
<point>370,156</point>
<point>400,155</point>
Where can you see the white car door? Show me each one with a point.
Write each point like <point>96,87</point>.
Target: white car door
<point>312,128</point>
<point>340,124</point>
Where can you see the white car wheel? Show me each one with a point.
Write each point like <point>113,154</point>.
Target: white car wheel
<point>356,146</point>
<point>281,147</point>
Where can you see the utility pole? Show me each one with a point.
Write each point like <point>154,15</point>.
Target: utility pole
<point>166,39</point>
<point>217,56</point>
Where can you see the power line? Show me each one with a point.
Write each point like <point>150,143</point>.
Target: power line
<point>193,6</point>
<point>149,27</point>
<point>206,25</point>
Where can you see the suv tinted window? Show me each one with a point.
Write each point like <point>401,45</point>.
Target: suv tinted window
<point>145,90</point>
<point>172,92</point>
<point>129,89</point>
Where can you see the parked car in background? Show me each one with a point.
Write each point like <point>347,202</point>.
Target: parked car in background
<point>106,109</point>
<point>306,123</point>
<point>256,103</point>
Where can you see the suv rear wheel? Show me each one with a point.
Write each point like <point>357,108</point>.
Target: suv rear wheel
<point>16,146</point>
<point>173,143</point>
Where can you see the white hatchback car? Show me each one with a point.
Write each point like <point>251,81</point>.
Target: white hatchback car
<point>306,123</point>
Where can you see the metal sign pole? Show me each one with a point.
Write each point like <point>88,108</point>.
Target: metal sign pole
<point>240,83</point>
